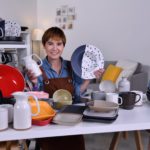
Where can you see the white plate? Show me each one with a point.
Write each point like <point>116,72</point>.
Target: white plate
<point>12,28</point>
<point>92,113</point>
<point>92,60</point>
<point>107,86</point>
<point>67,118</point>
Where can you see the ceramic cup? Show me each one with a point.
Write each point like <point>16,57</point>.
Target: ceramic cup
<point>1,33</point>
<point>31,64</point>
<point>98,95</point>
<point>3,118</point>
<point>7,57</point>
<point>140,102</point>
<point>10,109</point>
<point>129,99</point>
<point>114,97</point>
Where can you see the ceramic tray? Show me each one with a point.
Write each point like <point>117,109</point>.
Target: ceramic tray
<point>102,106</point>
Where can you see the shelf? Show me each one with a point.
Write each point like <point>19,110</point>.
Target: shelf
<point>13,46</point>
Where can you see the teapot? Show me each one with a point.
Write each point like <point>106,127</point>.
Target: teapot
<point>22,110</point>
<point>31,64</point>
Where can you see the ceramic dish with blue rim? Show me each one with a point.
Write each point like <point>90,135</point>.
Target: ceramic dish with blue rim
<point>85,60</point>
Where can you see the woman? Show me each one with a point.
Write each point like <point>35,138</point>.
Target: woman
<point>57,74</point>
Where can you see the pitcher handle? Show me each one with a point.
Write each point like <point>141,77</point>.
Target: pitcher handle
<point>38,58</point>
<point>37,104</point>
<point>1,32</point>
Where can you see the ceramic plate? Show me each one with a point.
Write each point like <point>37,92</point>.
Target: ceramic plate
<point>67,118</point>
<point>92,113</point>
<point>107,86</point>
<point>103,106</point>
<point>76,59</point>
<point>85,60</point>
<point>12,28</point>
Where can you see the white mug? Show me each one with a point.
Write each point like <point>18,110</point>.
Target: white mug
<point>114,97</point>
<point>140,102</point>
<point>2,33</point>
<point>10,109</point>
<point>31,64</point>
<point>98,95</point>
<point>3,118</point>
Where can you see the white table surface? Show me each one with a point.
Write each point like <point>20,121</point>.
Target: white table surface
<point>128,120</point>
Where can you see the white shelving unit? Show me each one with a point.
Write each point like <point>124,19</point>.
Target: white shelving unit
<point>21,49</point>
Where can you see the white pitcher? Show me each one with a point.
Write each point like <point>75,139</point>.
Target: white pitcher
<point>31,64</point>
<point>22,111</point>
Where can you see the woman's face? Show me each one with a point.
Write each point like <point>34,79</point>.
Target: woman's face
<point>54,48</point>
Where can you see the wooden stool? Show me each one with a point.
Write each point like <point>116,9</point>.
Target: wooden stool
<point>117,135</point>
<point>13,145</point>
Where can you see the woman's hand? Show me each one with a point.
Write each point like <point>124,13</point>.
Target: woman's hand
<point>98,73</point>
<point>31,76</point>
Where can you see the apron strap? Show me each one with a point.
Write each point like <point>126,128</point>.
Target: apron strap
<point>44,74</point>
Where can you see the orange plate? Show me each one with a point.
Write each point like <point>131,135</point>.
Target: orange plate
<point>46,111</point>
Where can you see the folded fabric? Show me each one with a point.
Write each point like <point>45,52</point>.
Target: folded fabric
<point>111,73</point>
<point>92,60</point>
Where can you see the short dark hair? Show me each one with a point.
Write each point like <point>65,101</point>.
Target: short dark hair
<point>53,32</point>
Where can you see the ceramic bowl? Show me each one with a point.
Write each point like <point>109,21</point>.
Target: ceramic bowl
<point>107,86</point>
<point>62,97</point>
<point>11,80</point>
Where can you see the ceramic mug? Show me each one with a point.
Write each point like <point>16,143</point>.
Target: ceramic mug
<point>1,33</point>
<point>3,118</point>
<point>31,64</point>
<point>10,109</point>
<point>2,58</point>
<point>129,99</point>
<point>98,95</point>
<point>114,97</point>
<point>6,57</point>
<point>140,102</point>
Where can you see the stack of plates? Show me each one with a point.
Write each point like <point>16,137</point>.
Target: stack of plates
<point>69,115</point>
<point>101,111</point>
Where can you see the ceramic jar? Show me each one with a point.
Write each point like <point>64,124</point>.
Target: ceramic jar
<point>124,85</point>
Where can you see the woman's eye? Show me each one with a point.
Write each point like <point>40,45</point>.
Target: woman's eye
<point>59,44</point>
<point>49,43</point>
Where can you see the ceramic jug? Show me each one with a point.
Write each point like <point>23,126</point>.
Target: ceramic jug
<point>124,85</point>
<point>22,111</point>
<point>31,64</point>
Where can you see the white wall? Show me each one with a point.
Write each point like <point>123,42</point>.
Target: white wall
<point>120,28</point>
<point>22,11</point>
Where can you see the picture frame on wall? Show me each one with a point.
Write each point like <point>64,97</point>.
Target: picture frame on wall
<point>65,17</point>
<point>64,10</point>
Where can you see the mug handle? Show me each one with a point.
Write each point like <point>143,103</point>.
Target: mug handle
<point>120,99</point>
<point>1,32</point>
<point>139,98</point>
<point>37,104</point>
<point>38,59</point>
<point>4,57</point>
